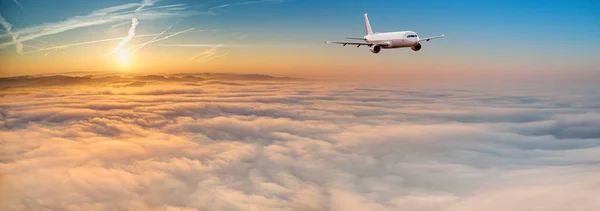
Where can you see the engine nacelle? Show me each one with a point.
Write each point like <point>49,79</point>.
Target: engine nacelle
<point>416,47</point>
<point>375,49</point>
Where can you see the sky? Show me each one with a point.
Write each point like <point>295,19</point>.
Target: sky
<point>484,39</point>
<point>185,105</point>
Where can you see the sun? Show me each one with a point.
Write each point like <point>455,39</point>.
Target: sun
<point>123,57</point>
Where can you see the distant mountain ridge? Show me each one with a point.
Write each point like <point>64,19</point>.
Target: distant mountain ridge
<point>127,81</point>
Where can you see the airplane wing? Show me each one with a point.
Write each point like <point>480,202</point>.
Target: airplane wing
<point>358,44</point>
<point>430,38</point>
<point>355,38</point>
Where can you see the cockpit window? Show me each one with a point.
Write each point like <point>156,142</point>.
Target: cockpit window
<point>412,35</point>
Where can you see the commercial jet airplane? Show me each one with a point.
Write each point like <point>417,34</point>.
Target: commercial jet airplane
<point>378,41</point>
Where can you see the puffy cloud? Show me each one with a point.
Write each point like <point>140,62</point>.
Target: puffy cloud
<point>252,142</point>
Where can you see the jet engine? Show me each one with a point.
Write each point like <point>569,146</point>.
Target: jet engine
<point>375,49</point>
<point>416,47</point>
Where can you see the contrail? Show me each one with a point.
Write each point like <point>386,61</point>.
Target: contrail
<point>157,36</point>
<point>205,54</point>
<point>114,9</point>
<point>134,23</point>
<point>170,6</point>
<point>146,3</point>
<point>217,56</point>
<point>7,26</point>
<point>203,45</point>
<point>47,53</point>
<point>165,8</point>
<point>119,24</point>
<point>87,42</point>
<point>21,6</point>
<point>130,35</point>
<point>211,57</point>
<point>31,46</point>
<point>38,48</point>
<point>41,41</point>
<point>140,46</point>
<point>97,17</point>
<point>176,9</point>
<point>244,3</point>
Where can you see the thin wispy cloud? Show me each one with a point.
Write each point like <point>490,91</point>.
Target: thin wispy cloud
<point>170,6</point>
<point>203,45</point>
<point>134,23</point>
<point>153,39</point>
<point>241,37</point>
<point>60,47</point>
<point>31,46</point>
<point>44,42</point>
<point>98,17</point>
<point>19,4</point>
<point>118,15</point>
<point>146,3</point>
<point>115,9</point>
<point>130,35</point>
<point>140,46</point>
<point>119,24</point>
<point>14,36</point>
<point>205,54</point>
<point>176,9</point>
<point>245,3</point>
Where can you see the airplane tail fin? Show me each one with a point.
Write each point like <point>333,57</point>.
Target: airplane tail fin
<point>368,25</point>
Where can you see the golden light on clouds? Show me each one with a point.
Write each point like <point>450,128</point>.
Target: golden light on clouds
<point>207,141</point>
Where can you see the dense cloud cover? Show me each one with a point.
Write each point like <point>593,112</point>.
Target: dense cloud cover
<point>251,142</point>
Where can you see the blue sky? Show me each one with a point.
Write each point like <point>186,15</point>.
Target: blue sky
<point>537,21</point>
<point>513,35</point>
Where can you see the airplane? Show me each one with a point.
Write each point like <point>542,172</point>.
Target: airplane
<point>378,41</point>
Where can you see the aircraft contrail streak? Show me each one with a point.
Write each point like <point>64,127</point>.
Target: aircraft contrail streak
<point>130,35</point>
<point>170,6</point>
<point>98,17</point>
<point>119,24</point>
<point>17,2</point>
<point>202,45</point>
<point>205,54</point>
<point>157,36</point>
<point>31,46</point>
<point>41,41</point>
<point>244,3</point>
<point>14,36</point>
<point>164,38</point>
<point>85,43</point>
<point>134,23</point>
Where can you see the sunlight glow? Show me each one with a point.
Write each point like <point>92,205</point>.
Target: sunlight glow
<point>123,57</point>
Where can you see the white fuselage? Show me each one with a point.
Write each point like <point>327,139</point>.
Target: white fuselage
<point>378,41</point>
<point>393,39</point>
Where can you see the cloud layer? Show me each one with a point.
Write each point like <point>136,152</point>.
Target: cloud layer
<point>253,142</point>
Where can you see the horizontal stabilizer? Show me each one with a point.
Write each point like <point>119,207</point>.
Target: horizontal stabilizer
<point>431,38</point>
